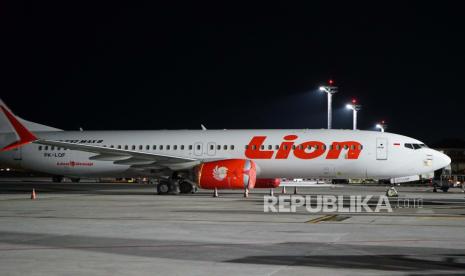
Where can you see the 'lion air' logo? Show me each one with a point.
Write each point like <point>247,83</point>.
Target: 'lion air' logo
<point>220,173</point>
<point>306,150</point>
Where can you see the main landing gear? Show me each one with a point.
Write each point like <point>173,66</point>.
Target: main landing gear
<point>174,186</point>
<point>57,179</point>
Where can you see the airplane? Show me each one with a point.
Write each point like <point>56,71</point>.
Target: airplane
<point>184,160</point>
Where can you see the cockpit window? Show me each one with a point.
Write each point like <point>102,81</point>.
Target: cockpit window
<point>414,146</point>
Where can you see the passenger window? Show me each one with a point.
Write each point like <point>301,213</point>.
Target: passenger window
<point>254,147</point>
<point>293,147</point>
<point>346,146</point>
<point>360,147</point>
<point>270,147</point>
<point>111,146</point>
<point>316,147</point>
<point>133,147</point>
<point>52,148</point>
<point>125,147</point>
<point>211,147</point>
<point>119,146</point>
<point>301,147</point>
<point>285,147</point>
<point>40,147</point>
<point>198,147</point>
<point>309,147</point>
<point>225,147</point>
<point>232,147</point>
<point>147,147</point>
<point>46,147</point>
<point>182,147</point>
<point>277,147</point>
<point>154,147</point>
<point>161,147</point>
<point>190,147</point>
<point>246,146</point>
<point>416,146</point>
<point>262,147</point>
<point>175,147</point>
<point>168,147</point>
<point>218,147</point>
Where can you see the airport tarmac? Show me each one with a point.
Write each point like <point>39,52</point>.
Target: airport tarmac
<point>124,229</point>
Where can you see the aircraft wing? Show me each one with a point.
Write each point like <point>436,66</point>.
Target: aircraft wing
<point>20,135</point>
<point>140,160</point>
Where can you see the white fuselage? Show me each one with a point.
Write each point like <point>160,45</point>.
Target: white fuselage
<point>382,155</point>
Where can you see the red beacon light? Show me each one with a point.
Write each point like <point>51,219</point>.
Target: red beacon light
<point>330,82</point>
<point>354,101</point>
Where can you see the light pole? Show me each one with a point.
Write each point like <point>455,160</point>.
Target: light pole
<point>355,108</point>
<point>382,126</point>
<point>329,90</point>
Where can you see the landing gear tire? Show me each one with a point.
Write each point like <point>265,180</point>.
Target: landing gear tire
<point>75,180</point>
<point>186,187</point>
<point>57,179</point>
<point>163,187</point>
<point>174,187</point>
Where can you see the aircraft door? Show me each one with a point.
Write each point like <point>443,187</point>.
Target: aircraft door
<point>198,148</point>
<point>211,150</point>
<point>381,148</point>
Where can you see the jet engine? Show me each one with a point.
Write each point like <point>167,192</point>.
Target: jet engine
<point>267,183</point>
<point>227,174</point>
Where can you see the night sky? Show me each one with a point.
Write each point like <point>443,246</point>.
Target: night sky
<point>149,66</point>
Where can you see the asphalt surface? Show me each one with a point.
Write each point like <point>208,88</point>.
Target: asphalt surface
<point>125,229</point>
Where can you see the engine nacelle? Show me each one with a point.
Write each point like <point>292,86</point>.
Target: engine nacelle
<point>267,182</point>
<point>227,174</point>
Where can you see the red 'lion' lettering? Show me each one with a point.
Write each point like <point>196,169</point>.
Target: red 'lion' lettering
<point>318,150</point>
<point>253,149</point>
<point>354,149</point>
<point>306,150</point>
<point>285,148</point>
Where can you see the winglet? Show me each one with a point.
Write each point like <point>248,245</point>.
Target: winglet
<point>24,135</point>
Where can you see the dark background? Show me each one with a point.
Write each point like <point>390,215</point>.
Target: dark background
<point>150,66</point>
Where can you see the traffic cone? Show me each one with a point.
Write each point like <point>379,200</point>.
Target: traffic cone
<point>33,194</point>
<point>284,190</point>
<point>246,193</point>
<point>295,190</point>
<point>271,192</point>
<point>215,193</point>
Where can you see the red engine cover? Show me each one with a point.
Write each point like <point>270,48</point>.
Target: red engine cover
<point>267,183</point>
<point>227,174</point>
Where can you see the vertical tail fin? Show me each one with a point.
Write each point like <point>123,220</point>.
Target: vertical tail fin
<point>23,135</point>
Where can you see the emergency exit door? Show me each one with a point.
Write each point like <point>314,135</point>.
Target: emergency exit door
<point>381,148</point>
